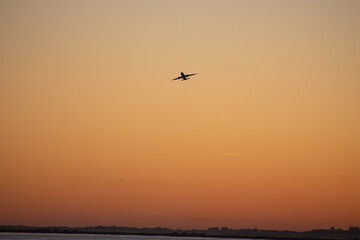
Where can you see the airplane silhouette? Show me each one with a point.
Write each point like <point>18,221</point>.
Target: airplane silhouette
<point>184,77</point>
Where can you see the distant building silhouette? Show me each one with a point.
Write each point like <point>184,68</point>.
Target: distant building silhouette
<point>213,229</point>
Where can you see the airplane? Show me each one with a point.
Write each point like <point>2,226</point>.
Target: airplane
<point>184,77</point>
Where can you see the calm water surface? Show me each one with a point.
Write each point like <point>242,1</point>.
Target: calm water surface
<point>56,236</point>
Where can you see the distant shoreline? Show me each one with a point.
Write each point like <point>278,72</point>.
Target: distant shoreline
<point>172,235</point>
<point>157,234</point>
<point>168,235</point>
<point>215,232</point>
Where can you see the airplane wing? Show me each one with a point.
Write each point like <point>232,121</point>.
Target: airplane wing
<point>177,78</point>
<point>188,75</point>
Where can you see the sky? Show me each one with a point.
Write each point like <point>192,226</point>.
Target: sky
<point>94,132</point>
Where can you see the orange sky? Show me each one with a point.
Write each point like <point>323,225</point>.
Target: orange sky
<point>266,135</point>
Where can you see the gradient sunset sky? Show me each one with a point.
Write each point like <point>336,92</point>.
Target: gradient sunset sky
<point>94,132</point>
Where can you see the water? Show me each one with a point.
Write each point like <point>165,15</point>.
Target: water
<point>57,236</point>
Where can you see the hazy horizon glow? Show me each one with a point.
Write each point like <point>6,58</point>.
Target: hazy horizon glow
<point>266,135</point>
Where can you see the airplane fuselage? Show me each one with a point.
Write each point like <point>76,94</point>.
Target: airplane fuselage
<point>183,76</point>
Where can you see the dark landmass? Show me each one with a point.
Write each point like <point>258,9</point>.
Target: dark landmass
<point>224,232</point>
